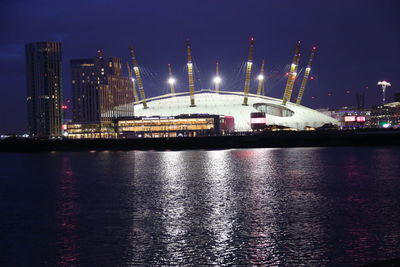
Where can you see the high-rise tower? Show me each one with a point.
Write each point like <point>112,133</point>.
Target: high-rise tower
<point>100,92</point>
<point>44,88</point>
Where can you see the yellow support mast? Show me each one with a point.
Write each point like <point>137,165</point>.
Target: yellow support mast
<point>306,75</point>
<point>190,73</point>
<point>135,94</point>
<point>138,78</point>
<point>248,72</point>
<point>171,80</point>
<point>260,78</point>
<point>292,75</point>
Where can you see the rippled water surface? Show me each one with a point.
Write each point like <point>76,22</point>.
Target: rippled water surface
<point>277,207</point>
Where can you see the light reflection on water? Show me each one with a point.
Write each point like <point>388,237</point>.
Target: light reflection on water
<point>274,207</point>
<point>68,213</point>
<point>173,207</point>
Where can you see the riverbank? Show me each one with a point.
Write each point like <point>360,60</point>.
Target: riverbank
<point>264,140</point>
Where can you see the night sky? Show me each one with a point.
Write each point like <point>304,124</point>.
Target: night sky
<point>358,44</point>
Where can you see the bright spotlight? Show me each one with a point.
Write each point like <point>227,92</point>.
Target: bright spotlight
<point>133,79</point>
<point>171,80</point>
<point>217,80</point>
<point>384,83</point>
<point>260,77</point>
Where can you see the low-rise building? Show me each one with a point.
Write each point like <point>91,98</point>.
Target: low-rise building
<point>90,130</point>
<point>153,127</point>
<point>352,118</point>
<point>386,116</point>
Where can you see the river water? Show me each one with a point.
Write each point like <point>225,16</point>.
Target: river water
<point>242,207</point>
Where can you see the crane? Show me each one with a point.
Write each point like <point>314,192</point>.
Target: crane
<point>171,80</point>
<point>138,78</point>
<point>217,79</point>
<point>190,73</point>
<point>260,78</point>
<point>248,72</point>
<point>135,94</point>
<point>305,78</point>
<point>292,75</point>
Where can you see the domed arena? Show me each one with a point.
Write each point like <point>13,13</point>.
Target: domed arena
<point>227,103</point>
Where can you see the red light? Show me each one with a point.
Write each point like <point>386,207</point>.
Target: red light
<point>361,119</point>
<point>64,107</point>
<point>312,78</point>
<point>349,118</point>
<point>64,127</point>
<point>287,73</point>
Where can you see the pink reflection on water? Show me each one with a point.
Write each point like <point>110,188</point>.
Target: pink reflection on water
<point>67,216</point>
<point>245,154</point>
<point>360,213</point>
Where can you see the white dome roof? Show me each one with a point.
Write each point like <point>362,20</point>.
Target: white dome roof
<point>230,104</point>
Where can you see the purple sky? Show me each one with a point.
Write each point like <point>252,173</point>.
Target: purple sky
<point>358,43</point>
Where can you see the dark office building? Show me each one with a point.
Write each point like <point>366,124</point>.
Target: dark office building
<point>397,97</point>
<point>99,89</point>
<point>85,83</point>
<point>44,88</point>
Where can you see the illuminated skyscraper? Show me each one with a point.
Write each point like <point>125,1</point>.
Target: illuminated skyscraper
<point>98,87</point>
<point>44,88</point>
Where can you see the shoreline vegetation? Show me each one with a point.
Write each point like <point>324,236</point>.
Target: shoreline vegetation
<point>280,139</point>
